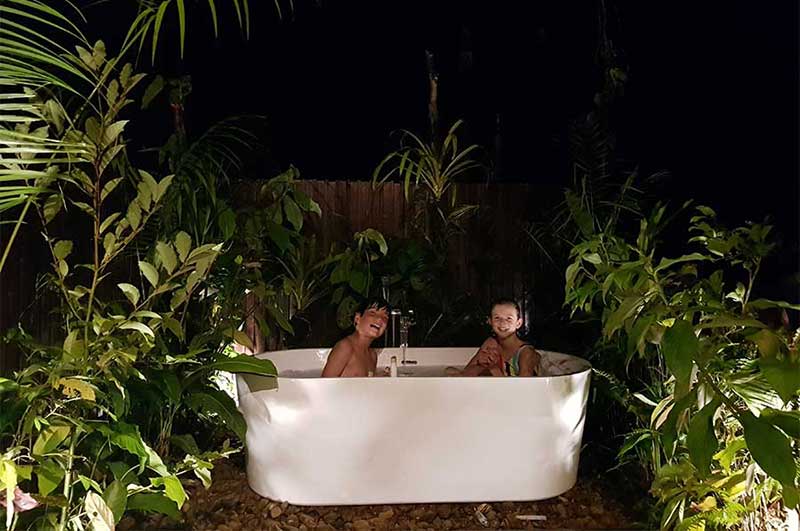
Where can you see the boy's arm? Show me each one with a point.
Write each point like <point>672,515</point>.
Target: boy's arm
<point>337,360</point>
<point>529,361</point>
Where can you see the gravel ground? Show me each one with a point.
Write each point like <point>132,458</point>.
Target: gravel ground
<point>230,505</point>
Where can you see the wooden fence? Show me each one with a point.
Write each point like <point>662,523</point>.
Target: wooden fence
<point>486,262</point>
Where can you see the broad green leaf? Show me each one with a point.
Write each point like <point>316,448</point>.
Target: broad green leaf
<point>280,235</point>
<point>788,421</point>
<point>293,213</point>
<point>680,346</point>
<point>108,221</point>
<point>52,206</point>
<point>109,187</point>
<point>243,364</point>
<point>100,516</point>
<point>172,488</point>
<point>152,90</point>
<point>167,256</point>
<point>217,403</point>
<point>183,243</point>
<point>701,439</point>
<point>127,437</point>
<point>49,475</point>
<point>134,215</point>
<point>109,242</point>
<point>626,309</point>
<point>769,344</point>
<point>727,455</point>
<point>6,385</point>
<point>116,497</point>
<point>667,262</point>
<point>783,375</point>
<point>669,431</point>
<point>769,447</point>
<point>139,327</point>
<point>227,223</point>
<point>63,268</point>
<point>149,272</point>
<point>49,439</point>
<point>62,249</point>
<point>358,281</point>
<point>154,503</point>
<point>131,292</point>
<point>163,186</point>
<point>762,304</point>
<point>73,387</point>
<point>113,131</point>
<point>186,443</point>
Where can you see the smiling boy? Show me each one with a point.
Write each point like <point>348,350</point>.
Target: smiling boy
<point>352,356</point>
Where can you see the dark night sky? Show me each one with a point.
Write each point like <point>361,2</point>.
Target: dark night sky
<point>712,94</point>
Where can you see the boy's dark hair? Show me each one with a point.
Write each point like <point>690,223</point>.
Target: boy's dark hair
<point>370,302</point>
<point>505,301</point>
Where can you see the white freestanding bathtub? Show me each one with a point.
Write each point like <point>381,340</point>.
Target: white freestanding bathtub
<point>412,439</point>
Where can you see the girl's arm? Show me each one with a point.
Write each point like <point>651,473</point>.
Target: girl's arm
<point>337,360</point>
<point>483,360</point>
<point>529,361</point>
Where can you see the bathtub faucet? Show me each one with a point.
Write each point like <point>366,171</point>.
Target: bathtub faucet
<point>406,321</point>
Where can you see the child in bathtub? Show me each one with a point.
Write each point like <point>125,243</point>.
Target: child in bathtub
<point>352,356</point>
<point>504,354</point>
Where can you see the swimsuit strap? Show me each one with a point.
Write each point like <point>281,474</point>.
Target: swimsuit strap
<point>512,366</point>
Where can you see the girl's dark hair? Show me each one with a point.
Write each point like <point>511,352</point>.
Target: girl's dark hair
<point>506,302</point>
<point>376,302</point>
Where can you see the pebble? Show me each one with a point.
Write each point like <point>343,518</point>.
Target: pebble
<point>276,511</point>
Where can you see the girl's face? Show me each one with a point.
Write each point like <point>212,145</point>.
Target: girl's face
<point>505,321</point>
<point>372,323</point>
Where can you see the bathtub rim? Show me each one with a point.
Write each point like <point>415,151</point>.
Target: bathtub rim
<point>266,355</point>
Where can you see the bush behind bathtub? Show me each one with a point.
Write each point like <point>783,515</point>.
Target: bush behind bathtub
<point>717,410</point>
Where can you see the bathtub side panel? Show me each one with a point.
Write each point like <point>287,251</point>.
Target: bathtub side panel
<point>415,440</point>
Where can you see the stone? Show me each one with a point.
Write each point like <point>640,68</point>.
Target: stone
<point>361,525</point>
<point>307,520</point>
<point>276,511</point>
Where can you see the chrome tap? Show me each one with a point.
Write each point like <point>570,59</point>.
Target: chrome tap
<point>406,321</point>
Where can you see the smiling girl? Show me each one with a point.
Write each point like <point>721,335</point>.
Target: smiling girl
<point>504,354</point>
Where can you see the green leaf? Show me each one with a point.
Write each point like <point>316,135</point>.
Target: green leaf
<point>74,387</point>
<point>139,327</point>
<point>186,443</point>
<point>243,364</point>
<point>49,439</point>
<point>163,186</point>
<point>167,256</point>
<point>769,344</point>
<point>293,213</point>
<point>173,489</point>
<point>763,304</point>
<point>109,187</point>
<point>358,281</point>
<point>680,346</point>
<point>593,258</point>
<point>152,90</point>
<point>154,503</point>
<point>149,272</point>
<point>769,447</point>
<point>62,249</point>
<point>108,221</point>
<point>183,243</point>
<point>667,262</point>
<point>134,215</point>
<point>217,403</point>
<point>52,206</point>
<point>116,497</point>
<point>280,235</point>
<point>701,439</point>
<point>109,242</point>
<point>6,385</point>
<point>113,131</point>
<point>100,516</point>
<point>788,421</point>
<point>227,223</point>
<point>127,437</point>
<point>49,475</point>
<point>626,309</point>
<point>783,375</point>
<point>669,430</point>
<point>131,292</point>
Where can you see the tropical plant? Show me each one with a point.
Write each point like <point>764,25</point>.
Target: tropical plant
<point>353,276</point>
<point>433,168</point>
<point>718,425</point>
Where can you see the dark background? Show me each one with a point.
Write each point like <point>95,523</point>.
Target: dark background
<point>712,92</point>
